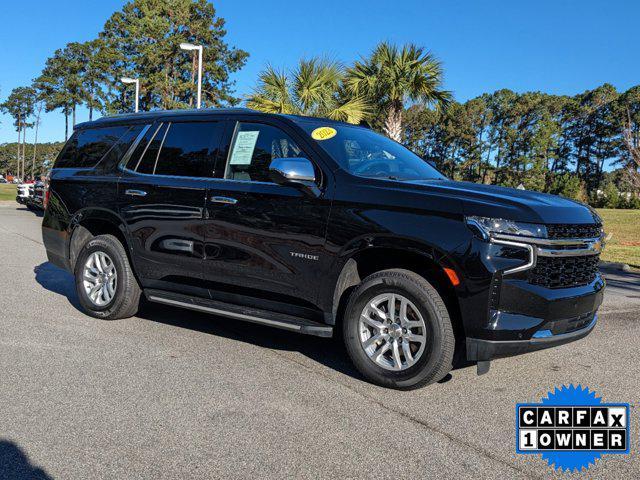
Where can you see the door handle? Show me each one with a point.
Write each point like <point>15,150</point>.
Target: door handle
<point>135,193</point>
<point>226,200</point>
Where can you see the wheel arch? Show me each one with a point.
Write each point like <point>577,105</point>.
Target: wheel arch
<point>90,223</point>
<point>426,262</point>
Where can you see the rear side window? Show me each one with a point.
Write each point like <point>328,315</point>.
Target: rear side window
<point>134,159</point>
<point>189,149</point>
<point>183,149</point>
<point>116,153</point>
<point>86,147</point>
<point>148,161</point>
<point>254,146</point>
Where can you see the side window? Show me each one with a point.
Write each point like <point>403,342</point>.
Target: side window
<point>253,147</point>
<point>120,148</point>
<point>86,147</point>
<point>189,149</point>
<point>142,147</point>
<point>148,161</point>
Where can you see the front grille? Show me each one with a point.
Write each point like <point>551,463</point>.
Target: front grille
<point>563,272</point>
<point>579,230</point>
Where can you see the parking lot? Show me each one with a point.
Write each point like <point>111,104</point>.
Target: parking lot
<point>176,394</point>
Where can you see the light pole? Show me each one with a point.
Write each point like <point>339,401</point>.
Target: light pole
<point>137,82</point>
<point>190,46</point>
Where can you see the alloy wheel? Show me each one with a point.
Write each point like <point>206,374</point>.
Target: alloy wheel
<point>99,278</point>
<point>392,332</point>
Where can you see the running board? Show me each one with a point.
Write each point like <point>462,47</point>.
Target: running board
<point>254,315</point>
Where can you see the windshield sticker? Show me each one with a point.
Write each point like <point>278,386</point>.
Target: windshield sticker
<point>323,133</point>
<point>243,148</point>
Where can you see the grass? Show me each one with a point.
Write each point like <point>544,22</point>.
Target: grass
<point>7,191</point>
<point>624,244</point>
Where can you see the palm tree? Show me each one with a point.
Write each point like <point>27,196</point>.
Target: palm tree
<point>391,76</point>
<point>314,88</point>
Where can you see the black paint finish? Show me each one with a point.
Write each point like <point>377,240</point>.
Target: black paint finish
<point>285,248</point>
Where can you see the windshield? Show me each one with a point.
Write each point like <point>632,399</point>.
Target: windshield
<point>363,152</point>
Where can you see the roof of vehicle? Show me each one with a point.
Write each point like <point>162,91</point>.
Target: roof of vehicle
<point>157,114</point>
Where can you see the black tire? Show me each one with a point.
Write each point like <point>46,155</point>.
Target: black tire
<point>435,362</point>
<point>124,303</point>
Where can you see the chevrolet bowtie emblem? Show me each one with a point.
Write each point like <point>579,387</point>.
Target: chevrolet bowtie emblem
<point>596,246</point>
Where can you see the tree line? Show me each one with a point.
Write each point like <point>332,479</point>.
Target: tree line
<point>548,143</point>
<point>38,157</point>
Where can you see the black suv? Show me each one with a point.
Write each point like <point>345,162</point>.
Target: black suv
<point>318,226</point>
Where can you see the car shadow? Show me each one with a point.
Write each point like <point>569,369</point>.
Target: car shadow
<point>326,351</point>
<point>58,281</point>
<point>36,212</point>
<point>15,465</point>
<point>329,352</point>
<point>625,283</point>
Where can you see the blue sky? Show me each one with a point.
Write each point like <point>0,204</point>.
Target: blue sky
<point>561,47</point>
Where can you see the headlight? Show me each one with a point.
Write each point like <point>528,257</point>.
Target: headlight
<point>487,227</point>
<point>596,217</point>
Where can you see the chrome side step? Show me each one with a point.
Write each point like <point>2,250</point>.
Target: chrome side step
<point>264,317</point>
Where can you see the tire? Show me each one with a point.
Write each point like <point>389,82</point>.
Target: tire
<point>125,299</point>
<point>409,288</point>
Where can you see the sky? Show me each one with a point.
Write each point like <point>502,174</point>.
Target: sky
<point>559,47</point>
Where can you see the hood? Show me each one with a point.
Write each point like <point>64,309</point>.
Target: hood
<point>509,203</point>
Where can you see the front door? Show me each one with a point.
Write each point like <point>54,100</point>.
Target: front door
<point>263,239</point>
<point>162,192</point>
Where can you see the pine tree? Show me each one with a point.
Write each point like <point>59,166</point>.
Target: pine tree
<point>143,41</point>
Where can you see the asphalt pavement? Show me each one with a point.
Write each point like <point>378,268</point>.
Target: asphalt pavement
<point>177,394</point>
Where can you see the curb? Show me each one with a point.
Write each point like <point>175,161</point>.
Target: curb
<point>623,267</point>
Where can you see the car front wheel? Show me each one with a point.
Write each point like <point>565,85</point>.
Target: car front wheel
<point>397,330</point>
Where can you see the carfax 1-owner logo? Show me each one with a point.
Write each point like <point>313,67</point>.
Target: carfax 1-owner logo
<point>572,427</point>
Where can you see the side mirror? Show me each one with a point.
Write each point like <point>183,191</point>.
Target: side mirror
<point>292,171</point>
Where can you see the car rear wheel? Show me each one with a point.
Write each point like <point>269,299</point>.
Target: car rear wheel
<point>397,330</point>
<point>105,283</point>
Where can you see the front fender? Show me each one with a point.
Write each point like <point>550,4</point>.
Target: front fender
<point>385,252</point>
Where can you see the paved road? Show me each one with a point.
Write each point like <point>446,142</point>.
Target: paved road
<point>173,394</point>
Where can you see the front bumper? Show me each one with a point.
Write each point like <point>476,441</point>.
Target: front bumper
<point>485,350</point>
<point>526,318</point>
<point>521,315</point>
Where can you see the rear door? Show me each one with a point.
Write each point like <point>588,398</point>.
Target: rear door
<point>263,239</point>
<point>162,193</point>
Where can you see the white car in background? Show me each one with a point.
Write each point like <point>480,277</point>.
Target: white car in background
<point>24,193</point>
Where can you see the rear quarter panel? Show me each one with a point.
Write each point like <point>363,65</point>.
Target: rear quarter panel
<point>75,194</point>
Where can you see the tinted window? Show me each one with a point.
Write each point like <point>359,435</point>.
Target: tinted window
<point>86,147</point>
<point>148,161</point>
<point>254,146</point>
<point>189,149</point>
<point>116,153</point>
<point>363,152</point>
<point>132,163</point>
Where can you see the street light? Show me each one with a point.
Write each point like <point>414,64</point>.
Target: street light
<point>137,82</point>
<point>190,46</point>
